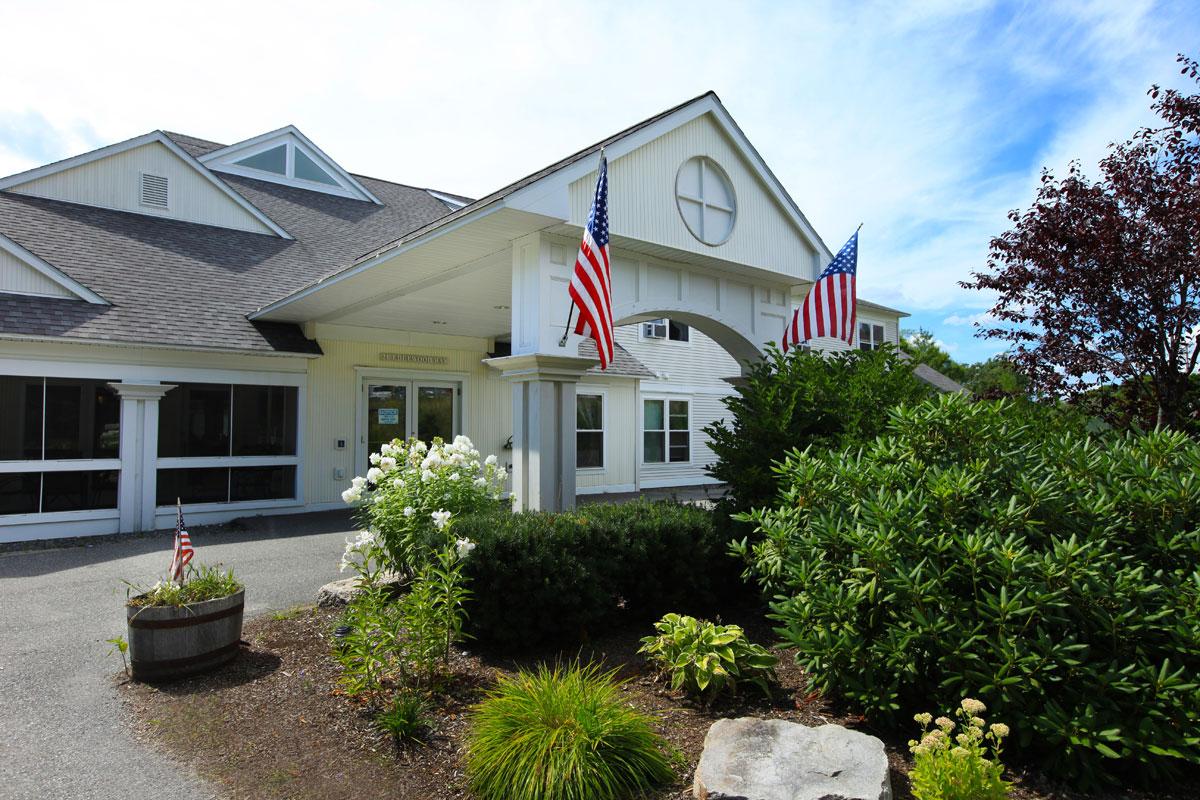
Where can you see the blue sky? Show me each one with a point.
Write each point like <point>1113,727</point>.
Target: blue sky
<point>926,122</point>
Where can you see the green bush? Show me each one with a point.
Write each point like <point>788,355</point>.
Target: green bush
<point>703,658</point>
<point>959,766</point>
<point>800,399</point>
<point>542,577</point>
<point>563,734</point>
<point>404,718</point>
<point>968,551</point>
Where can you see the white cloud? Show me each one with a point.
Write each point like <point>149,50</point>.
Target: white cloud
<point>970,319</point>
<point>926,122</point>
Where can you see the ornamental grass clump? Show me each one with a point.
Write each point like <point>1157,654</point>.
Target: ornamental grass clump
<point>563,734</point>
<point>409,481</point>
<point>958,766</point>
<point>981,546</point>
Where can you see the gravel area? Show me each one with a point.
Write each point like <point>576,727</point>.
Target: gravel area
<point>64,736</point>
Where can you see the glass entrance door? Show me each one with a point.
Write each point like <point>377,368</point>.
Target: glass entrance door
<point>397,409</point>
<point>387,414</point>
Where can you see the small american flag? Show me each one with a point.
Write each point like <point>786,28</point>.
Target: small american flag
<point>831,305</point>
<point>183,547</point>
<point>591,283</point>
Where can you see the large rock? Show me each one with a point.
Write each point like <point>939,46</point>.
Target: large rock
<point>771,759</point>
<point>339,593</point>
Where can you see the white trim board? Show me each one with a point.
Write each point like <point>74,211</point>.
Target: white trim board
<point>51,272</point>
<point>21,178</point>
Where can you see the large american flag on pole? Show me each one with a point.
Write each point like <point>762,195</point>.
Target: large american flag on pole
<point>183,553</point>
<point>832,303</point>
<point>591,283</point>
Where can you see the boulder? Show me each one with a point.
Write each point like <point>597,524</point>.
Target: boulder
<point>772,759</point>
<point>339,593</point>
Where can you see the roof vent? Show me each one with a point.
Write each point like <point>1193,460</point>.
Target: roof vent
<point>154,191</point>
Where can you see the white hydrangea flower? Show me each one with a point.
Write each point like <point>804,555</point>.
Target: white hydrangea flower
<point>358,482</point>
<point>351,496</point>
<point>454,476</point>
<point>398,483</point>
<point>388,449</point>
<point>387,463</point>
<point>441,518</point>
<point>375,458</point>
<point>490,460</point>
<point>463,547</point>
<point>481,482</point>
<point>463,442</point>
<point>374,474</point>
<point>409,511</point>
<point>427,475</point>
<point>419,446</point>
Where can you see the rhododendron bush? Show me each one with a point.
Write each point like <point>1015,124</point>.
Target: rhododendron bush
<point>411,485</point>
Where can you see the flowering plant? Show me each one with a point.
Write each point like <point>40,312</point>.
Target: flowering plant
<point>962,766</point>
<point>409,484</point>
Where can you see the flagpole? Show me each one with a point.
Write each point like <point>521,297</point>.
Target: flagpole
<point>571,310</point>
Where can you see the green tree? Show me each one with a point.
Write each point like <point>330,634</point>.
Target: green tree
<point>799,400</point>
<point>924,349</point>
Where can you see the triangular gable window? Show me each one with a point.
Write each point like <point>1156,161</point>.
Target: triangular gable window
<point>273,160</point>
<point>308,170</point>
<point>286,156</point>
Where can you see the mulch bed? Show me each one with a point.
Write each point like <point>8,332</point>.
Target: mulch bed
<point>272,725</point>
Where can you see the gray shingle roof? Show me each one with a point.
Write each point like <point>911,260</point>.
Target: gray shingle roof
<point>624,363</point>
<point>176,283</point>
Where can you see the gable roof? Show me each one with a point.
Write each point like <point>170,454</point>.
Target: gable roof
<point>571,168</point>
<point>13,181</point>
<point>225,159</point>
<point>182,284</point>
<point>49,271</point>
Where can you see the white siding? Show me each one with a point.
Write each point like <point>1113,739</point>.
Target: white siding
<point>643,205</point>
<point>620,425</point>
<point>17,277</point>
<point>115,182</point>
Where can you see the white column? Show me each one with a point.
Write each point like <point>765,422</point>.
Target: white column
<point>543,428</point>
<point>139,452</point>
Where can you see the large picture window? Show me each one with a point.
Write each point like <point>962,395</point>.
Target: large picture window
<point>589,431</point>
<point>221,443</point>
<point>48,421</point>
<point>666,431</point>
<point>870,337</point>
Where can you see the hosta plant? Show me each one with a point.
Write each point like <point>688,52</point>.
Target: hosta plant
<point>958,760</point>
<point>563,734</point>
<point>704,658</point>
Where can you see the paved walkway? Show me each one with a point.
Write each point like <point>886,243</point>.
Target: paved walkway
<point>61,734</point>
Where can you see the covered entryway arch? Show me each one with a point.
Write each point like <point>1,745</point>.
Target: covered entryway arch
<point>742,308</point>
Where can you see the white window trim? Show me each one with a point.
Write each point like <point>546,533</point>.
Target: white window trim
<point>858,342</point>
<point>706,162</point>
<point>666,401</point>
<point>603,395</point>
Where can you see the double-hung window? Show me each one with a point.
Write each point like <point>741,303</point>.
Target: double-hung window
<point>223,443</point>
<point>59,444</point>
<point>589,431</point>
<point>666,431</point>
<point>870,337</point>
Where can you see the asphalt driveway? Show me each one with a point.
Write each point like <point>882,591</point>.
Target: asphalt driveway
<point>61,734</point>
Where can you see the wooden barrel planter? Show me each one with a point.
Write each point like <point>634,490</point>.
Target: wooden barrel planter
<point>168,642</point>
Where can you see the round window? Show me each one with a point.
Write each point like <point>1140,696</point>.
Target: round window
<point>705,197</point>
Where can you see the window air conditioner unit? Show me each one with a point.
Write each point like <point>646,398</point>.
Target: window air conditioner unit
<point>654,329</point>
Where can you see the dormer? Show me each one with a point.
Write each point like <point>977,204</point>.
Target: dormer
<point>287,157</point>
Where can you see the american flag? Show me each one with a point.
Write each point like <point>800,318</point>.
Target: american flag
<point>831,305</point>
<point>591,283</point>
<point>183,547</point>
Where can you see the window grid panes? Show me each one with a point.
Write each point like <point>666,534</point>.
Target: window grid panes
<point>58,419</point>
<point>589,431</point>
<point>228,421</point>
<point>666,439</point>
<point>870,336</point>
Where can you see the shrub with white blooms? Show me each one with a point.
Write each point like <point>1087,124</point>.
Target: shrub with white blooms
<point>411,490</point>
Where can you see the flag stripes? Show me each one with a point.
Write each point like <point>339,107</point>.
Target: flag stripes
<point>831,306</point>
<point>591,280</point>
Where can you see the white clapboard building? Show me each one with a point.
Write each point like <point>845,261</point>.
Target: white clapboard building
<point>240,325</point>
